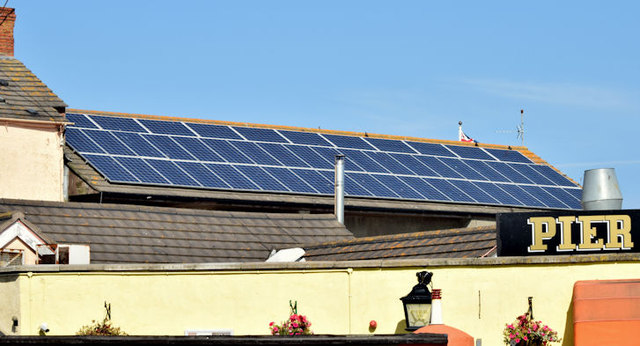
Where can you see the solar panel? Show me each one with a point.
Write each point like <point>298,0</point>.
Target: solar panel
<point>543,196</point>
<point>315,179</point>
<point>470,152</point>
<point>508,155</point>
<point>393,146</point>
<point>564,196</point>
<point>80,142</point>
<point>203,175</point>
<point>431,149</point>
<point>172,172</point>
<point>372,185</point>
<point>80,120</point>
<point>531,174</point>
<point>330,154</point>
<point>474,191</point>
<point>523,196</point>
<point>260,135</point>
<point>110,168</point>
<point>389,163</point>
<point>108,142</point>
<point>498,194</point>
<point>307,138</point>
<point>232,176</point>
<point>166,127</point>
<point>507,171</point>
<point>311,157</point>
<point>462,168</point>
<point>449,190</point>
<point>227,151</point>
<point>352,187</point>
<point>552,175</point>
<point>486,170</point>
<point>413,164</point>
<point>576,193</point>
<point>399,187</point>
<point>208,156</point>
<point>213,131</point>
<point>119,124</point>
<point>261,178</point>
<point>282,154</point>
<point>425,189</point>
<point>255,153</point>
<point>169,147</point>
<point>138,144</point>
<point>142,170</point>
<point>348,142</point>
<point>292,181</point>
<point>198,149</point>
<point>438,166</point>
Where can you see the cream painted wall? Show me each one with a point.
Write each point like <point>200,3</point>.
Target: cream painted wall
<point>31,161</point>
<point>9,304</point>
<point>479,297</point>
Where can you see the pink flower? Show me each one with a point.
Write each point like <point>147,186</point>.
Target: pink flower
<point>295,325</point>
<point>270,324</point>
<point>511,336</point>
<point>293,317</point>
<point>510,326</point>
<point>525,338</point>
<point>517,340</point>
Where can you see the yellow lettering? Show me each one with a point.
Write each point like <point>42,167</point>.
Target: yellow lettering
<point>619,229</point>
<point>564,222</point>
<point>538,232</point>
<point>587,232</point>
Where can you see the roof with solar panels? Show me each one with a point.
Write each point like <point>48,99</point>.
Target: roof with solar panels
<point>128,153</point>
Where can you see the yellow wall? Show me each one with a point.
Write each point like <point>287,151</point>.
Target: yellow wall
<point>31,161</point>
<point>479,296</point>
<point>9,303</point>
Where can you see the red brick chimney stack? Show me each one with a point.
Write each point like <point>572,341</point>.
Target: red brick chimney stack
<point>8,19</point>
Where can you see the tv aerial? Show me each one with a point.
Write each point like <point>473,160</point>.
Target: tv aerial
<point>519,129</point>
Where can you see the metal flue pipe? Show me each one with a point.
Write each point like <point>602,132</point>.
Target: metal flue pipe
<point>339,189</point>
<point>601,190</point>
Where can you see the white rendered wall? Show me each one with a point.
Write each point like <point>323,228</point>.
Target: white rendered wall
<point>31,161</point>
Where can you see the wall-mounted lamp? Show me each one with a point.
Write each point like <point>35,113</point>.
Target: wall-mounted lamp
<point>417,304</point>
<point>44,328</point>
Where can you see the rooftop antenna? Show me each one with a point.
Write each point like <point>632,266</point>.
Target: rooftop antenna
<point>519,129</point>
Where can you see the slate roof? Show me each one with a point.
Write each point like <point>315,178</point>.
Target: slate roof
<point>138,234</point>
<point>23,96</point>
<point>449,243</point>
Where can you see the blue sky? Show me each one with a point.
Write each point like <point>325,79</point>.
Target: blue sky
<point>411,68</point>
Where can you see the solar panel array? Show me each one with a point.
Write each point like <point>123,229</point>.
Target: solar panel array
<point>197,155</point>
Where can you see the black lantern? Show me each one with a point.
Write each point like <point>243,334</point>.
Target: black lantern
<point>417,304</point>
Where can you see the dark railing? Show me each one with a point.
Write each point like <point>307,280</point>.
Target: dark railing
<point>310,340</point>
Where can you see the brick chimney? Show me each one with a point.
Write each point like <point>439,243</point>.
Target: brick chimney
<point>8,19</point>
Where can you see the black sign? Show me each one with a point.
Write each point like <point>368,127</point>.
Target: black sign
<point>568,232</point>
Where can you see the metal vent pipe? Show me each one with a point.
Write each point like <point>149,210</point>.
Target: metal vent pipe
<point>339,189</point>
<point>600,190</point>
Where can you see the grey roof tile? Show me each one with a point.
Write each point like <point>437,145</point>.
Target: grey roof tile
<point>452,243</point>
<point>135,234</point>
